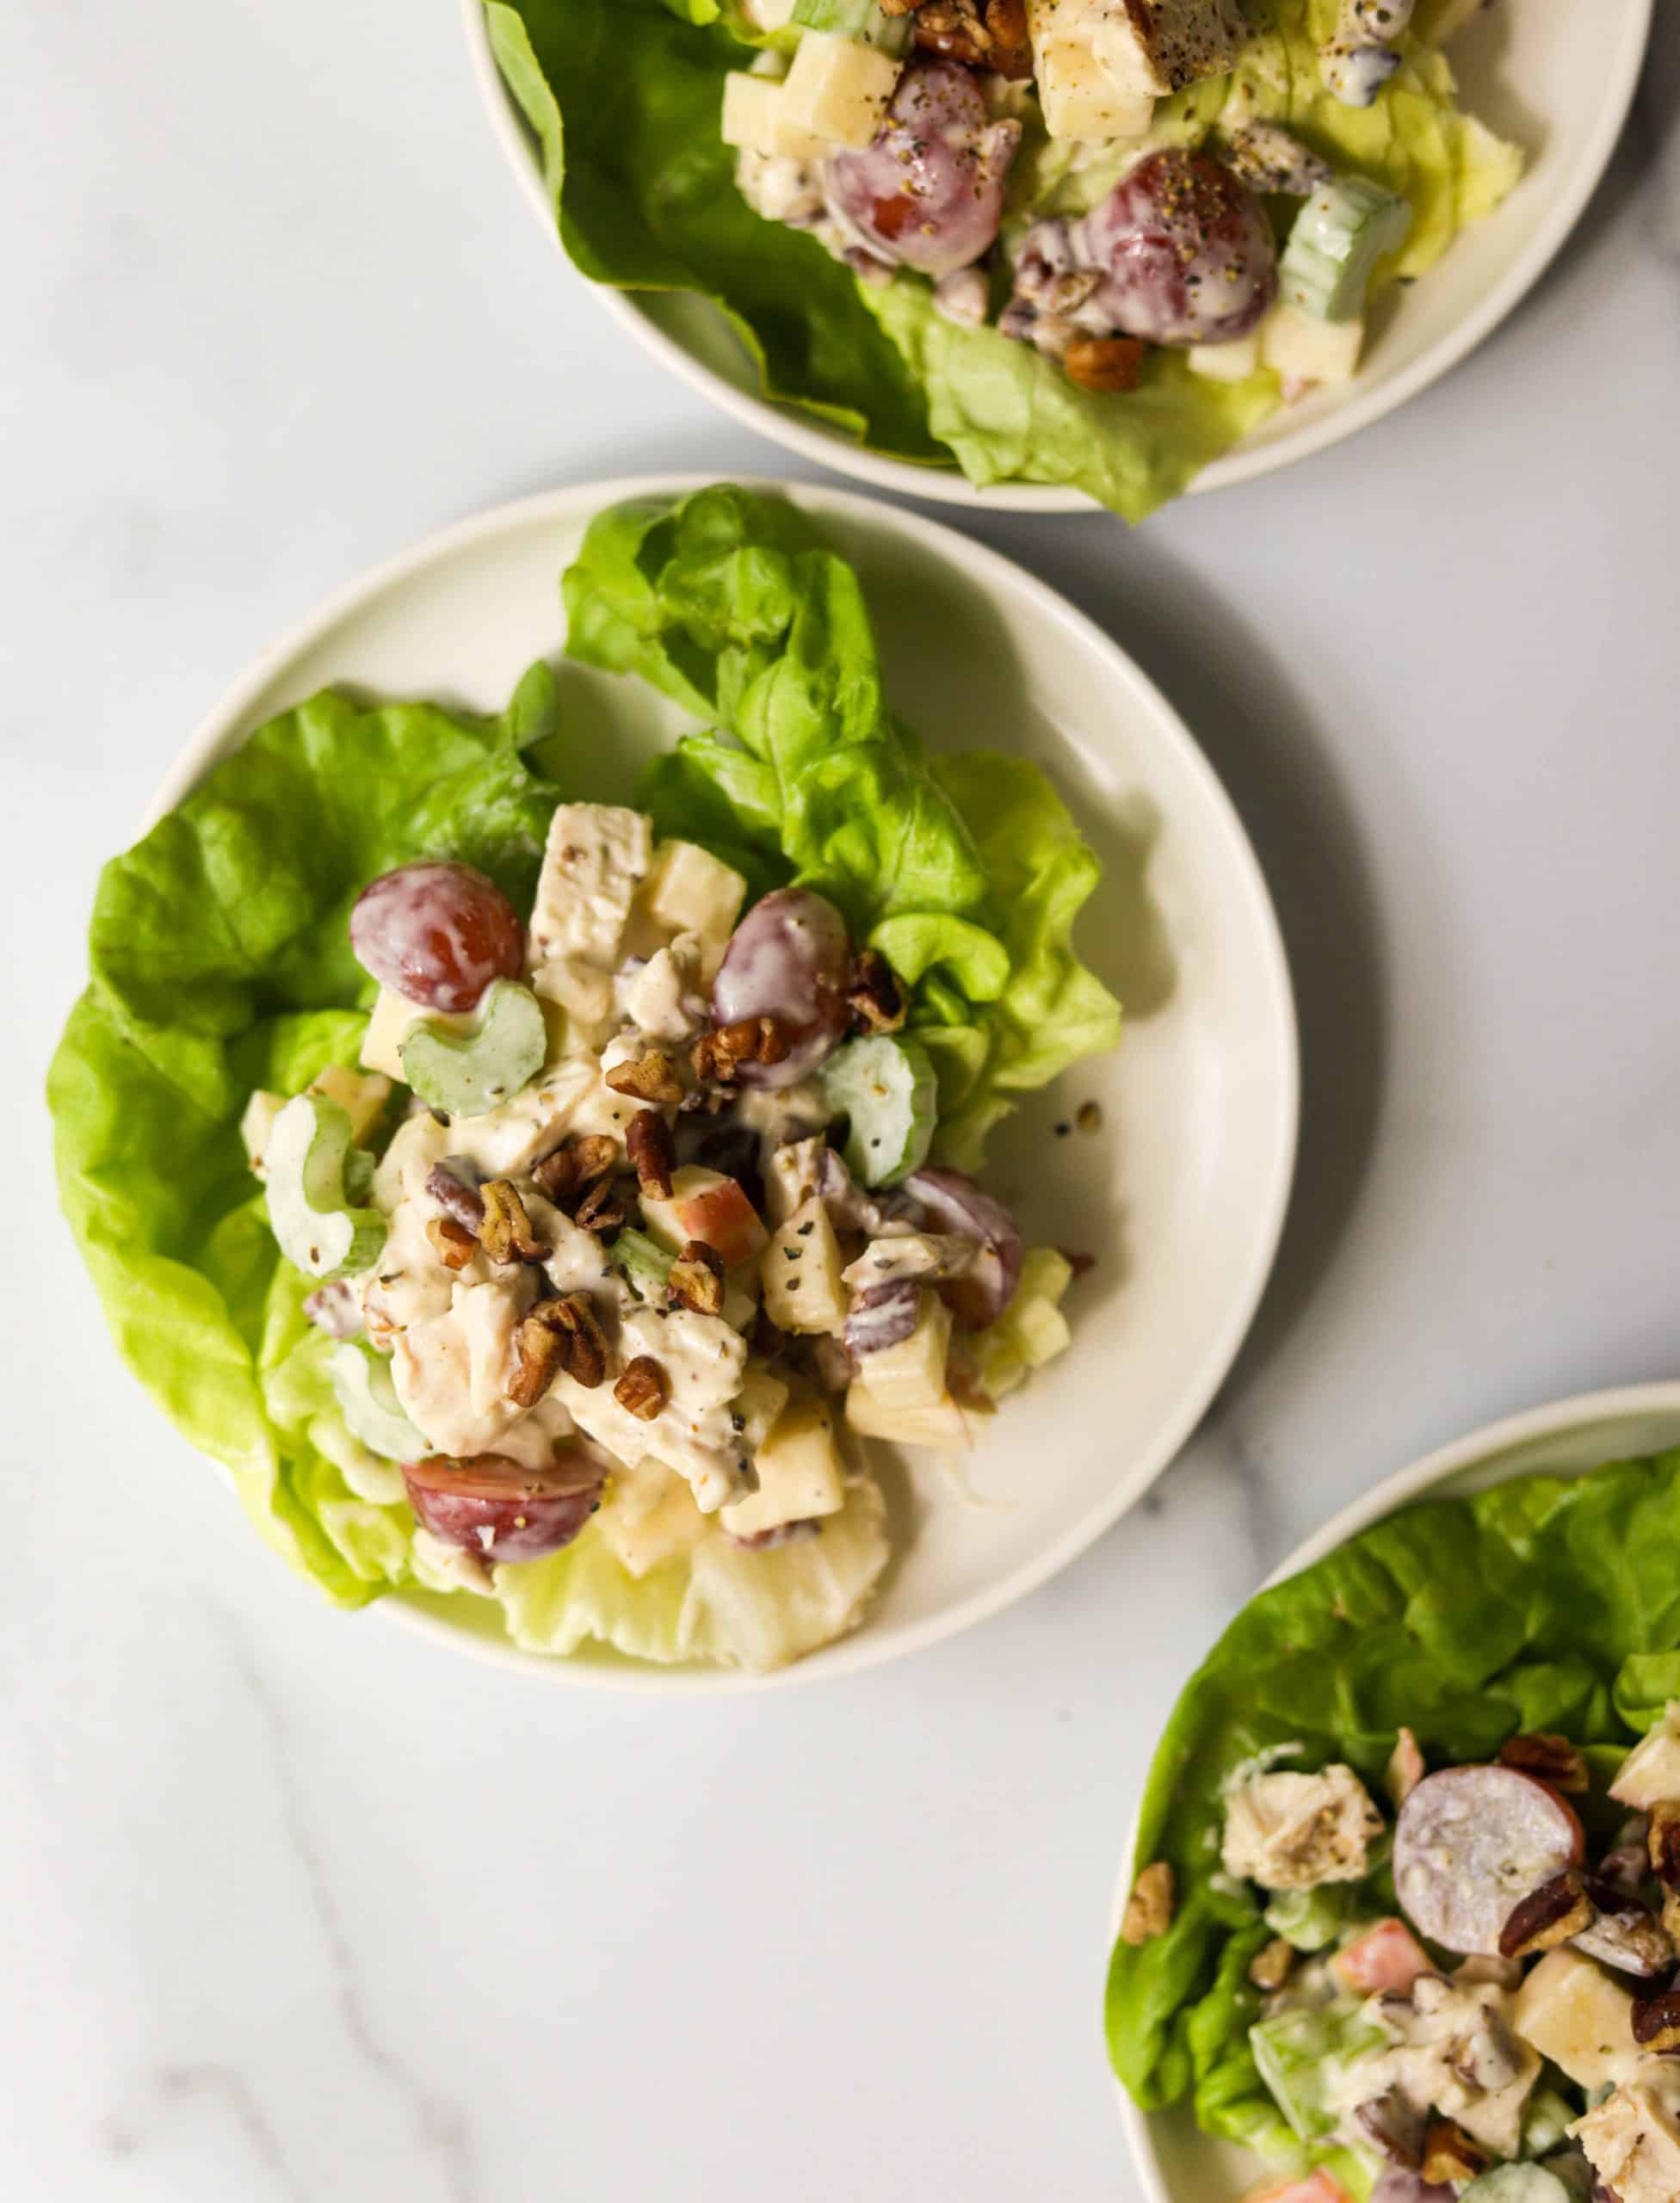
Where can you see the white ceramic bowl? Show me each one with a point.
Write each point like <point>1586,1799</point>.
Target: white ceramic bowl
<point>1180,1195</point>
<point>1557,78</point>
<point>1175,2162</point>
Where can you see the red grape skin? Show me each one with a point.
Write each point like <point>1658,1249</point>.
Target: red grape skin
<point>928,192</point>
<point>1185,252</point>
<point>438,934</point>
<point>954,1203</point>
<point>788,960</point>
<point>498,1510</point>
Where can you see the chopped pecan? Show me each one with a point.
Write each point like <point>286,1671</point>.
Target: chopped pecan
<point>575,1164</point>
<point>719,1056</point>
<point>601,1208</point>
<point>455,1197</point>
<point>1405,1768</point>
<point>562,1334</point>
<point>1149,1908</point>
<point>1272,1964</point>
<point>696,1279</point>
<point>1551,1915</point>
<point>648,1142</point>
<point>1662,1843</point>
<point>1671,1915</point>
<point>652,1077</point>
<point>452,1243</point>
<point>1449,2155</point>
<point>1395,2127</point>
<point>1088,1116</point>
<point>506,1235</point>
<point>1550,1759</point>
<point>1657,2021</point>
<point>874,997</point>
<point>642,1391</point>
<point>981,34</point>
<point>1105,363</point>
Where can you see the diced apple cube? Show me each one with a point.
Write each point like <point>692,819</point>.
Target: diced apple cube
<point>1302,348</point>
<point>1650,1775</point>
<point>1232,362</point>
<point>942,1425</point>
<point>759,1403</point>
<point>688,890</point>
<point>838,89</point>
<point>912,1373</point>
<point>705,1205</point>
<point>648,1516</point>
<point>755,117</point>
<point>800,1269</point>
<point>1386,1956</point>
<point>1570,2011</point>
<point>393,1019</point>
<point>800,1475</point>
<point>362,1100</point>
<point>1039,1329</point>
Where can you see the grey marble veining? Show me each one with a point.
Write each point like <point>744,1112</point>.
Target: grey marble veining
<point>298,1907</point>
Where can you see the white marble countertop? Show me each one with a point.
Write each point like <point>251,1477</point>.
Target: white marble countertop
<point>301,1907</point>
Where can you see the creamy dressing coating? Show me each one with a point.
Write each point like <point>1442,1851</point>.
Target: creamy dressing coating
<point>1451,2050</point>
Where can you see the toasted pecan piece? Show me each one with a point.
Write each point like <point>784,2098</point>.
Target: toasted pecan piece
<point>1550,1759</point>
<point>560,1333</point>
<point>452,1243</point>
<point>642,1390</point>
<point>1149,1907</point>
<point>652,1077</point>
<point>1449,2155</point>
<point>506,1235</point>
<point>650,1146</point>
<point>719,1056</point>
<point>874,996</point>
<point>1559,1909</point>
<point>1662,1842</point>
<point>696,1279</point>
<point>601,1208</point>
<point>1657,2021</point>
<point>575,1164</point>
<point>981,34</point>
<point>1272,1964</point>
<point>1109,364</point>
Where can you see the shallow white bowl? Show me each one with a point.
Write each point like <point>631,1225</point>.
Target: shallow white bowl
<point>1182,1193</point>
<point>1555,74</point>
<point>1175,2162</point>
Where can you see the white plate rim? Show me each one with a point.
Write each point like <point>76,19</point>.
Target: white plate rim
<point>864,1648</point>
<point>1552,1419</point>
<point>825,447</point>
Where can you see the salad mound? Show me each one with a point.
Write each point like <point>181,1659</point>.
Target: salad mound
<point>1409,1925</point>
<point>613,1162</point>
<point>1091,243</point>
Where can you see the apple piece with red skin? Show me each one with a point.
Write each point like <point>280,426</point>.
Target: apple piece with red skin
<point>1318,2188</point>
<point>706,1205</point>
<point>1386,1956</point>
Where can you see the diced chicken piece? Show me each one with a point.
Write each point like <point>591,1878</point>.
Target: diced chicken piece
<point>702,1360</point>
<point>1650,1774</point>
<point>801,1476</point>
<point>1102,65</point>
<point>1484,2072</point>
<point>1387,1956</point>
<point>509,1139</point>
<point>1289,1831</point>
<point>488,1315</point>
<point>1632,2140</point>
<point>664,995</point>
<point>431,1367</point>
<point>1570,2011</point>
<point>597,856</point>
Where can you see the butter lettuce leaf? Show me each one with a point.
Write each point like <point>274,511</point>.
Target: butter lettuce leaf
<point>1548,1603</point>
<point>966,870</point>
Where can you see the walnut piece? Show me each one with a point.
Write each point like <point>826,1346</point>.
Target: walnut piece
<point>650,1146</point>
<point>652,1077</point>
<point>874,997</point>
<point>506,1235</point>
<point>696,1279</point>
<point>1149,1908</point>
<point>642,1391</point>
<point>1105,363</point>
<point>719,1056</point>
<point>452,1243</point>
<point>1552,1760</point>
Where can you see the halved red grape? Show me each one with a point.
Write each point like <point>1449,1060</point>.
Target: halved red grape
<point>1185,252</point>
<point>437,933</point>
<point>952,1201</point>
<point>928,192</point>
<point>788,960</point>
<point>497,1510</point>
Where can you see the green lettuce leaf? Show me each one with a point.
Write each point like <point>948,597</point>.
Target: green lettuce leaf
<point>1548,1603</point>
<point>966,871</point>
<point>625,97</point>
